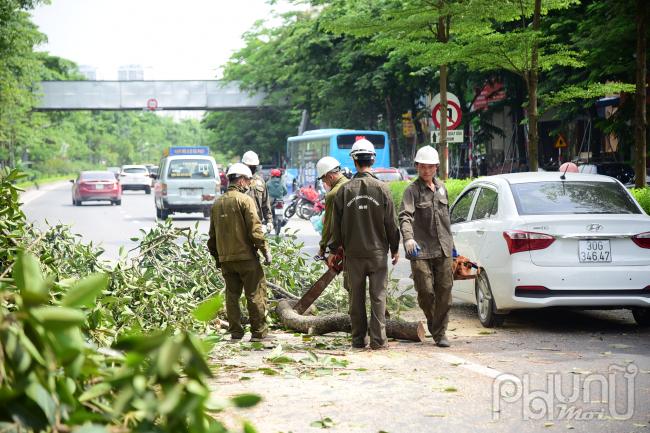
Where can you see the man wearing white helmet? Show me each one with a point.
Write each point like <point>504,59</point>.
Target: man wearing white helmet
<point>328,170</point>
<point>426,230</point>
<point>258,191</point>
<point>364,224</point>
<point>235,237</point>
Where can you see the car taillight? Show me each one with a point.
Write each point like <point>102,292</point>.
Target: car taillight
<point>163,189</point>
<point>642,239</point>
<point>519,241</point>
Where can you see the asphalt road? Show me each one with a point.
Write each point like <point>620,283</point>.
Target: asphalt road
<point>558,361</point>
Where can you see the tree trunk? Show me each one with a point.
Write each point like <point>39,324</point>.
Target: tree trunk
<point>640,119</point>
<point>319,325</point>
<point>392,131</point>
<point>533,134</point>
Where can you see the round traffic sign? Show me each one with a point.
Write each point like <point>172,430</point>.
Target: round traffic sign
<point>454,114</point>
<point>152,104</point>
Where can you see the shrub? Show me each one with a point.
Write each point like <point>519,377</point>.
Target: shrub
<point>453,186</point>
<point>642,195</point>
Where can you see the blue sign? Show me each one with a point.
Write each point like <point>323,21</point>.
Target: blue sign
<point>188,150</point>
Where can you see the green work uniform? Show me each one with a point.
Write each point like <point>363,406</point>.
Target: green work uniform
<point>424,217</point>
<point>276,189</point>
<point>258,192</point>
<point>364,224</point>
<point>235,237</point>
<point>329,209</point>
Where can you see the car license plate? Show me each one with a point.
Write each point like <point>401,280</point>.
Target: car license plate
<point>278,211</point>
<point>190,191</point>
<point>99,186</point>
<point>594,251</point>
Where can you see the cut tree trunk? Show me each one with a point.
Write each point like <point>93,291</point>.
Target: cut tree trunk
<point>319,325</point>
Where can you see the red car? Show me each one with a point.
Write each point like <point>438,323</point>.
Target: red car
<point>387,174</point>
<point>96,186</point>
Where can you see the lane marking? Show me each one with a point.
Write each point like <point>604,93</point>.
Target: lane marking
<point>31,195</point>
<point>483,370</point>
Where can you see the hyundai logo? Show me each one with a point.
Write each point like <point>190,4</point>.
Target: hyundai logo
<point>594,227</point>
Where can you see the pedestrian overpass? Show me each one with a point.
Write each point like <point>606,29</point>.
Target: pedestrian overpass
<point>146,95</point>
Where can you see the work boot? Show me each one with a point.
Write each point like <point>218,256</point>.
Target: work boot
<point>236,337</point>
<point>379,346</point>
<point>260,338</point>
<point>442,341</point>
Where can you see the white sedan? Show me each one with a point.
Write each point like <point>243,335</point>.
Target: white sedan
<point>135,177</point>
<point>544,240</point>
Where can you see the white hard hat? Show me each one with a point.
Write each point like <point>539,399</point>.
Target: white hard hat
<point>250,158</point>
<point>362,147</point>
<point>239,169</point>
<point>427,155</point>
<point>325,165</point>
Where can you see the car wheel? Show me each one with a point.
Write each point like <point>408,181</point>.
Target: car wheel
<point>164,214</point>
<point>206,213</point>
<point>147,190</point>
<point>118,202</point>
<point>485,305</point>
<point>158,214</point>
<point>642,316</point>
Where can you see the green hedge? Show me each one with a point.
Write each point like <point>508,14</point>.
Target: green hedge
<point>642,195</point>
<point>455,186</point>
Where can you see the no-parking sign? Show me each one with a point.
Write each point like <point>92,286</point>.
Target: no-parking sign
<point>454,112</point>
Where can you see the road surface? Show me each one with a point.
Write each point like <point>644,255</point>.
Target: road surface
<point>416,387</point>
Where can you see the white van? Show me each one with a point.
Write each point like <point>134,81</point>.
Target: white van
<point>187,181</point>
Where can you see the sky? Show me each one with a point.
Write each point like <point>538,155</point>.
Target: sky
<point>171,39</point>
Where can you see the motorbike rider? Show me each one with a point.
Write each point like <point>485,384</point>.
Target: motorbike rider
<point>275,187</point>
<point>258,191</point>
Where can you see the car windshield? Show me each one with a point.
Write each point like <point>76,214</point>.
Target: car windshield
<point>98,176</point>
<point>190,168</point>
<point>388,176</point>
<point>136,170</point>
<point>566,197</point>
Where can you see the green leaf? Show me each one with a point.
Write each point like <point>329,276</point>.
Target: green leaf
<point>167,357</point>
<point>246,400</point>
<point>39,395</point>
<point>208,309</point>
<point>58,317</point>
<point>249,428</point>
<point>95,391</point>
<point>29,279</point>
<point>84,292</point>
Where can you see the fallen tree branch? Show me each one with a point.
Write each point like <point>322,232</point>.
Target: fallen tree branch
<point>319,325</point>
<point>279,291</point>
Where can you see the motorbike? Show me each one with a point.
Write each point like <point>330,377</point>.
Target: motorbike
<point>309,204</point>
<point>290,210</point>
<point>279,212</point>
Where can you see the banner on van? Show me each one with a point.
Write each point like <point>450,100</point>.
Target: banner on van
<point>187,150</point>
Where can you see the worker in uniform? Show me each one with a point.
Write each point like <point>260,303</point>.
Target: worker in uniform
<point>235,238</point>
<point>426,231</point>
<point>364,224</point>
<point>328,170</point>
<point>258,191</point>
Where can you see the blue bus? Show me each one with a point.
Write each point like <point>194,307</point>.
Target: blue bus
<point>304,151</point>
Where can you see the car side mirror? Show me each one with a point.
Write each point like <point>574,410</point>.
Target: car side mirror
<point>71,180</point>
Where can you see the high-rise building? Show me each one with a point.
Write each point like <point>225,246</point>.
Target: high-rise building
<point>130,73</point>
<point>90,72</point>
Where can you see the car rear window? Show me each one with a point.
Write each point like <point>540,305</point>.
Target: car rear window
<point>566,197</point>
<point>136,170</point>
<point>98,176</point>
<point>190,169</point>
